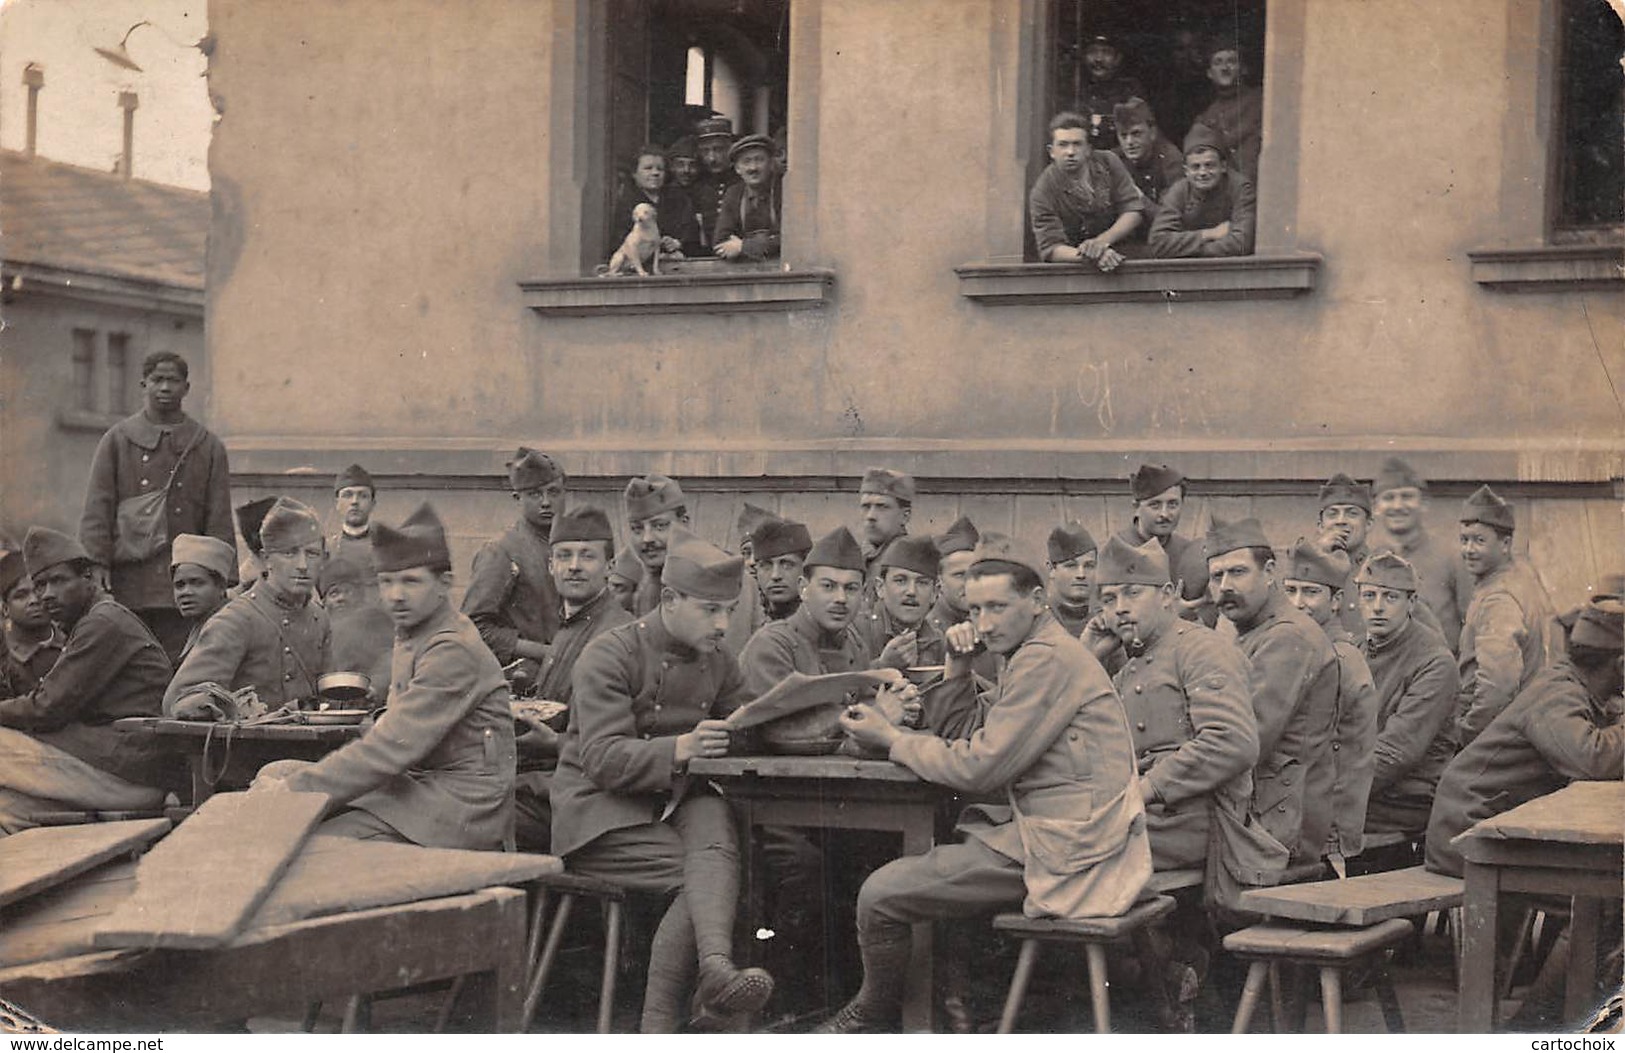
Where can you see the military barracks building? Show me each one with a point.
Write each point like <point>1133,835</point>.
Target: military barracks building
<point>410,198</point>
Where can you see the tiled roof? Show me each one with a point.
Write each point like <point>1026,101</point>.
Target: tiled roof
<point>101,223</point>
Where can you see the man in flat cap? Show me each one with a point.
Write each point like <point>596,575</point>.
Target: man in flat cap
<point>1564,725</point>
<point>1399,504</point>
<point>649,697</point>
<point>354,496</point>
<point>33,642</point>
<point>582,548</point>
<point>437,767</point>
<point>655,509</point>
<point>1416,681</point>
<point>1211,212</point>
<point>1158,498</point>
<point>747,226</point>
<point>58,748</point>
<point>885,502</point>
<point>1070,584</point>
<point>1294,684</point>
<point>1154,163</point>
<point>275,637</point>
<point>1507,633</point>
<point>895,629</point>
<point>1054,743</point>
<point>510,593</point>
<point>1314,582</point>
<point>714,136</point>
<point>199,569</point>
<point>158,450</point>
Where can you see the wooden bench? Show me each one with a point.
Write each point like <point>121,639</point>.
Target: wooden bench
<point>1359,901</point>
<point>1093,933</point>
<point>1330,950</point>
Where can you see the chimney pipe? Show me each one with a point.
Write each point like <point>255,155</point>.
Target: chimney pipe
<point>127,102</point>
<point>34,79</point>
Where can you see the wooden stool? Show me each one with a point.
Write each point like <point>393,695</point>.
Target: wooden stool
<point>1093,933</point>
<point>540,957</point>
<point>1331,950</point>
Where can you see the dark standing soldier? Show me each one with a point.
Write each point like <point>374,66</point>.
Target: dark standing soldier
<point>355,495</point>
<point>510,593</point>
<point>159,450</point>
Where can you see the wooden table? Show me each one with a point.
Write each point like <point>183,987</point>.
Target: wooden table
<point>841,793</point>
<point>226,756</point>
<point>1569,843</point>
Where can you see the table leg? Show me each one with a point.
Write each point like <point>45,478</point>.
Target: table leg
<point>918,836</point>
<point>1579,990</point>
<point>1481,902</point>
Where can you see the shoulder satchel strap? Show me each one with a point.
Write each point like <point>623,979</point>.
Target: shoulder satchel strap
<point>173,472</point>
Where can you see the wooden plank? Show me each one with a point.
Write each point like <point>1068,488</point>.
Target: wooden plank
<point>35,860</point>
<point>790,767</point>
<point>334,875</point>
<point>63,922</point>
<point>201,884</point>
<point>1358,901</point>
<point>1587,813</point>
<point>222,734</point>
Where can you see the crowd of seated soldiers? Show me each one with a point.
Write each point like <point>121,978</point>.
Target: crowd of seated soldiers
<point>1349,701</point>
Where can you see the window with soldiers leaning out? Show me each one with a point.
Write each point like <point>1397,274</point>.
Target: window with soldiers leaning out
<point>1591,168</point>
<point>1142,78</point>
<point>691,123</point>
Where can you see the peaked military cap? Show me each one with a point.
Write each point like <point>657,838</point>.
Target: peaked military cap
<point>837,549</point>
<point>1125,564</point>
<point>210,553</point>
<point>961,536</point>
<point>1486,506</point>
<point>1309,562</point>
<point>651,495</point>
<point>714,128</point>
<point>1340,489</point>
<point>699,569</point>
<point>1387,570</point>
<point>1395,474</point>
<point>918,554</point>
<point>1149,480</point>
<point>420,541</point>
<point>748,142</point>
<point>1070,542</point>
<point>1225,537</point>
<point>44,548</point>
<point>355,475</point>
<point>289,524</point>
<point>1002,548</point>
<point>250,514</point>
<point>888,483</point>
<point>532,468</point>
<point>779,537</point>
<point>581,523</point>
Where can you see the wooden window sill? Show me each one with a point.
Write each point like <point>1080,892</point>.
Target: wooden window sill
<point>698,286</point>
<point>1259,277</point>
<point>1549,268</point>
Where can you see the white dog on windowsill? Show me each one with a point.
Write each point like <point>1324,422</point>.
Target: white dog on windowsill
<point>640,251</point>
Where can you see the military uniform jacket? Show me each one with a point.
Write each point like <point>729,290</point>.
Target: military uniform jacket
<point>1175,546</point>
<point>1184,212</point>
<point>438,763</point>
<point>1347,778</point>
<point>1194,732</point>
<point>22,667</point>
<point>1064,211</point>
<point>877,628</point>
<point>1554,732</point>
<point>598,615</point>
<point>798,645</point>
<point>635,690</point>
<point>510,593</point>
<point>647,596</point>
<point>941,618</point>
<point>135,457</point>
<point>707,193</point>
<point>1415,677</point>
<point>1054,738</point>
<point>1442,582</point>
<point>255,641</point>
<point>1506,638</point>
<point>111,667</point>
<point>1294,689</point>
<point>357,550</point>
<point>1236,116</point>
<point>1158,170</point>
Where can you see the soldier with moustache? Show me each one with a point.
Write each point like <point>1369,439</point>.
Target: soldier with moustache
<point>714,137</point>
<point>275,637</point>
<point>895,629</point>
<point>951,708</point>
<point>885,502</point>
<point>510,595</point>
<point>1399,506</point>
<point>1345,517</point>
<point>1071,581</point>
<point>1158,496</point>
<point>1508,633</point>
<point>655,509</point>
<point>1294,687</point>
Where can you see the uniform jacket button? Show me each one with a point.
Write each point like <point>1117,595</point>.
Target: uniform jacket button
<point>1140,725</point>
<point>1139,689</point>
<point>1337,745</point>
<point>1282,807</point>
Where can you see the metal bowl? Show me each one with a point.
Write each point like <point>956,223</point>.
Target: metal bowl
<point>810,732</point>
<point>344,687</point>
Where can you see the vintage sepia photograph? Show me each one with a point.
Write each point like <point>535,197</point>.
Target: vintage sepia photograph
<point>776,517</point>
